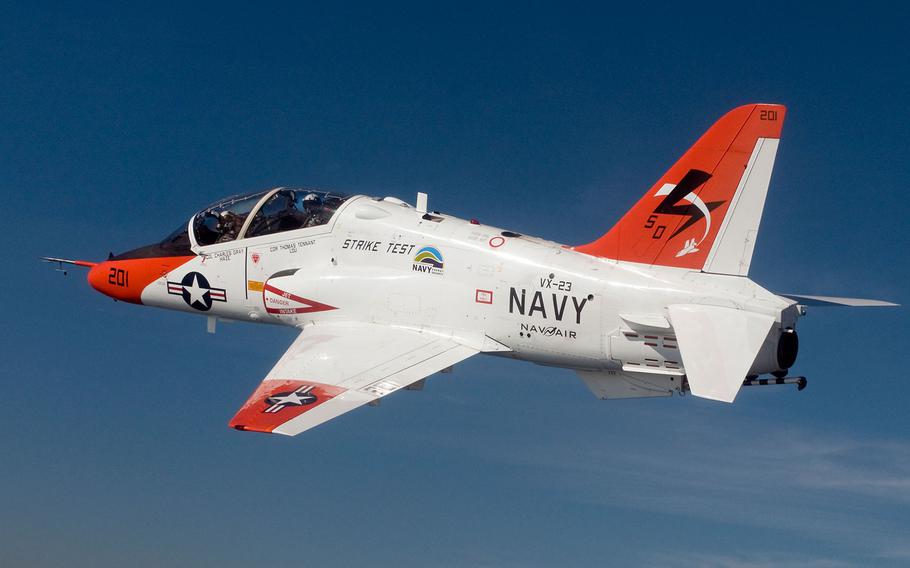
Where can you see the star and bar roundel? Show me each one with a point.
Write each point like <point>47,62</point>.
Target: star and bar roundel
<point>196,291</point>
<point>198,294</point>
<point>277,401</point>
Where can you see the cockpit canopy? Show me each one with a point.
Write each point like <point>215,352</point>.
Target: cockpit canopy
<point>264,213</point>
<point>249,215</point>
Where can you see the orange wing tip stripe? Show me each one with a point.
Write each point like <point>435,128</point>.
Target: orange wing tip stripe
<point>277,401</point>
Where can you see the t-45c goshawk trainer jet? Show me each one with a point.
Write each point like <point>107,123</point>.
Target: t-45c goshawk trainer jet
<point>385,293</point>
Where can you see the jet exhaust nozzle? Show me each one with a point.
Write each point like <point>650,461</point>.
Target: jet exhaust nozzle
<point>787,348</point>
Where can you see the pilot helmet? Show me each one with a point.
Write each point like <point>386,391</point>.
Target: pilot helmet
<point>311,201</point>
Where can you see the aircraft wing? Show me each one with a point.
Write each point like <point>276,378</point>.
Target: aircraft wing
<point>332,369</point>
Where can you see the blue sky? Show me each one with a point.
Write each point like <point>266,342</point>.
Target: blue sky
<point>548,119</point>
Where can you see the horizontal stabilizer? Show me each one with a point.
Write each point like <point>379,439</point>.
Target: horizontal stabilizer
<point>646,321</point>
<point>837,301</point>
<point>718,346</point>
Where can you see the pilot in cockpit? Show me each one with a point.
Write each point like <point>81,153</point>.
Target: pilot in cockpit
<point>287,219</point>
<point>229,224</point>
<point>311,205</point>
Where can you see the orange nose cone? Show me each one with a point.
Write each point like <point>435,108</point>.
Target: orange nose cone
<point>97,276</point>
<point>126,279</point>
<point>113,279</point>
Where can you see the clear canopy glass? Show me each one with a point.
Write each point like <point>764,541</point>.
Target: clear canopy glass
<point>264,213</point>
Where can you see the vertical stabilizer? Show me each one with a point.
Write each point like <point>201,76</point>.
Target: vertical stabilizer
<point>704,212</point>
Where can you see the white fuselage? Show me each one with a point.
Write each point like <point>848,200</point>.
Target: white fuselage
<point>536,300</point>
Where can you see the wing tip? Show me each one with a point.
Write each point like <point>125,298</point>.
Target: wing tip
<point>247,428</point>
<point>275,402</point>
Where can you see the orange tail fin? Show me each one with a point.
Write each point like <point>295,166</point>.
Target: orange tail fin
<point>704,212</point>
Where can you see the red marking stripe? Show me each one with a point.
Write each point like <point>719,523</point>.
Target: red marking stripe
<point>310,305</point>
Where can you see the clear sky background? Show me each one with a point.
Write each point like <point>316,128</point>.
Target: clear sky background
<point>116,124</point>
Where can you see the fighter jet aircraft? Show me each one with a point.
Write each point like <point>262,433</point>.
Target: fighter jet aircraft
<point>385,293</point>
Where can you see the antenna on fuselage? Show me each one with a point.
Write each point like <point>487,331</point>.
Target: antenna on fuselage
<point>421,202</point>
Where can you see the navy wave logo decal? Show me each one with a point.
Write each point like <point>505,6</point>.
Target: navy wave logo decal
<point>429,260</point>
